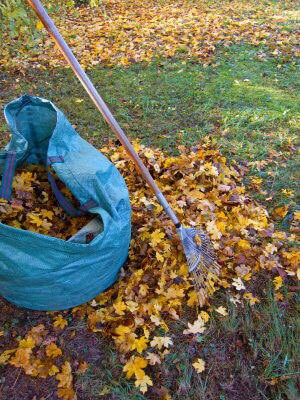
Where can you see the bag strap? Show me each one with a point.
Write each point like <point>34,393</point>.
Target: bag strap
<point>69,208</point>
<point>8,175</point>
<point>65,204</point>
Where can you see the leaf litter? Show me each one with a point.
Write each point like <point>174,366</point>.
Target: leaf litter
<point>154,286</point>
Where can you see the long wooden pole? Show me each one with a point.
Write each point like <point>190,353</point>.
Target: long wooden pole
<point>100,104</point>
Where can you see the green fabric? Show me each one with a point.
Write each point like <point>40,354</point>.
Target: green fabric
<point>46,273</point>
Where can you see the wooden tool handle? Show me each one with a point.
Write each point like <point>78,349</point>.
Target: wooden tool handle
<point>100,104</point>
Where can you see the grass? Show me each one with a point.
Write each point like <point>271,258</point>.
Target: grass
<point>247,104</point>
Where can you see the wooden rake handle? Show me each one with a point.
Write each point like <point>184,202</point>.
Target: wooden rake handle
<point>100,104</point>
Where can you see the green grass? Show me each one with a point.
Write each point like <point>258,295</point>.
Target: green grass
<point>246,103</point>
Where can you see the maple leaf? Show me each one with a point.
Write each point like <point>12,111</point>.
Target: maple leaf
<point>161,341</point>
<point>156,237</point>
<point>143,383</point>
<point>213,230</point>
<point>140,344</point>
<point>153,358</point>
<point>47,214</point>
<point>60,322</point>
<point>222,310</point>
<point>196,327</point>
<point>35,219</point>
<point>21,358</point>
<point>135,366</point>
<point>120,307</point>
<point>199,365</point>
<point>27,343</point>
<point>53,351</point>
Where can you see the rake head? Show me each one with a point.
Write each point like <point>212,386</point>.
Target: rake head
<point>201,261</point>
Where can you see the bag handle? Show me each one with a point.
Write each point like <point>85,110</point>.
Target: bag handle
<point>8,175</point>
<point>65,204</point>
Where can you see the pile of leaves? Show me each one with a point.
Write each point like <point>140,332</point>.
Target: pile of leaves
<point>154,286</point>
<point>118,32</point>
<point>34,207</point>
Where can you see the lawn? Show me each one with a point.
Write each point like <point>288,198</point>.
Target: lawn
<point>245,102</point>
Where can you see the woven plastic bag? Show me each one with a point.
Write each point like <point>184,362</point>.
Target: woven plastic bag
<point>46,273</point>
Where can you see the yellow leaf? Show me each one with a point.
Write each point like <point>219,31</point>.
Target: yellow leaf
<point>47,214</point>
<point>159,257</point>
<point>39,25</point>
<point>199,365</point>
<point>196,327</point>
<point>53,370</point>
<point>21,358</point>
<point>59,322</point>
<point>140,344</point>
<point>278,282</point>
<point>213,230</point>
<point>135,367</point>
<point>120,307</point>
<point>192,301</point>
<point>252,300</point>
<point>53,351</point>
<point>161,341</point>
<point>148,153</point>
<point>205,316</point>
<point>5,356</point>
<point>65,378</point>
<point>122,330</point>
<point>281,211</point>
<point>244,244</point>
<point>35,219</point>
<point>156,237</point>
<point>256,181</point>
<point>104,391</point>
<point>143,383</point>
<point>27,343</point>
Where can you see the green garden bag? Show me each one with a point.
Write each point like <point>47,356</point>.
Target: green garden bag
<point>46,273</point>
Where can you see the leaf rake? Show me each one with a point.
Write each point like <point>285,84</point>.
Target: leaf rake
<point>196,243</point>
